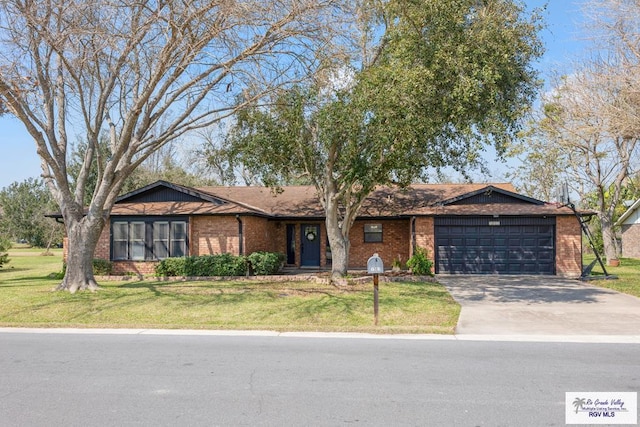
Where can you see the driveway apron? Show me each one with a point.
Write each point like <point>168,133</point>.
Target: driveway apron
<point>540,305</point>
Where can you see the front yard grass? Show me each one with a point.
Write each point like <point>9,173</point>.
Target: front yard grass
<point>628,273</point>
<point>27,300</point>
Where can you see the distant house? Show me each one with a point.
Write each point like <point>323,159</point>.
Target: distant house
<point>629,223</point>
<point>466,228</point>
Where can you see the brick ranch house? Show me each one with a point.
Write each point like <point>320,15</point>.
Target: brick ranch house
<point>629,224</point>
<point>466,228</point>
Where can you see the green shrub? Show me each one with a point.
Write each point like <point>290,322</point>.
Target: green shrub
<point>215,265</point>
<point>229,265</point>
<point>102,267</point>
<point>60,274</point>
<point>5,245</point>
<point>419,263</point>
<point>203,266</point>
<point>265,263</point>
<point>170,267</point>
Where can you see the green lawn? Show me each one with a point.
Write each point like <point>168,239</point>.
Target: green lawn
<point>27,300</point>
<point>628,273</point>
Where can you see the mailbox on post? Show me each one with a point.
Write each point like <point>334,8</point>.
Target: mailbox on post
<point>374,265</point>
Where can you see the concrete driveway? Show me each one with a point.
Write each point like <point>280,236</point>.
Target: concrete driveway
<point>540,305</point>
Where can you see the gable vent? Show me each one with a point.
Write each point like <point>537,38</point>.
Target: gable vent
<point>164,194</point>
<point>488,197</point>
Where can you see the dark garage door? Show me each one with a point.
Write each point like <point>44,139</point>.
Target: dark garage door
<point>487,245</point>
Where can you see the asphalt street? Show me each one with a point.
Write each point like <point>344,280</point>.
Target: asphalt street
<point>111,379</point>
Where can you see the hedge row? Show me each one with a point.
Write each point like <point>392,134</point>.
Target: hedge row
<point>258,263</point>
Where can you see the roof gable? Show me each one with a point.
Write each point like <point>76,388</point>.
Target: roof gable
<point>490,195</point>
<point>633,208</point>
<point>163,191</point>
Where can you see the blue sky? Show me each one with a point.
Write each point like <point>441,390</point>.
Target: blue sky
<point>563,38</point>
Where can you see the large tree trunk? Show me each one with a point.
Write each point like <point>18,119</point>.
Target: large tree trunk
<point>337,232</point>
<point>82,240</point>
<point>339,248</point>
<point>608,238</point>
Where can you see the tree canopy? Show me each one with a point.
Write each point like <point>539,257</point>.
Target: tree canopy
<point>444,79</point>
<point>144,73</point>
<point>23,206</point>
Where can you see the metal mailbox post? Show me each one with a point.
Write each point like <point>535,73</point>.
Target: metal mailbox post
<point>375,267</point>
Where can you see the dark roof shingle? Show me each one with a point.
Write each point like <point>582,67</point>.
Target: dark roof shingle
<point>303,202</point>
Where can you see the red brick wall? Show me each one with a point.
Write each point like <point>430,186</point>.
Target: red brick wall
<point>425,235</point>
<point>103,246</point>
<point>568,246</point>
<point>134,267</point>
<point>631,240</point>
<point>213,235</point>
<point>396,242</point>
<point>65,248</point>
<point>262,235</point>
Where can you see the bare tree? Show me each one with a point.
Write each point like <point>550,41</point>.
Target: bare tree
<point>145,72</point>
<point>588,133</point>
<point>590,121</point>
<point>542,166</point>
<point>220,163</point>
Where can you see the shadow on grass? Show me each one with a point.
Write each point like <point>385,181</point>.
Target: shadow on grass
<point>21,281</point>
<point>206,293</point>
<point>12,270</point>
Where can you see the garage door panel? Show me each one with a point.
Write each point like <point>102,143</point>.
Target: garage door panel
<point>530,268</point>
<point>514,254</point>
<point>455,266</point>
<point>500,255</point>
<point>501,267</point>
<point>514,242</point>
<point>514,269</point>
<point>500,242</point>
<point>545,255</point>
<point>545,242</point>
<point>506,249</point>
<point>472,253</point>
<point>543,267</point>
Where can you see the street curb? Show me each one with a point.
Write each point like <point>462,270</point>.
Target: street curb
<point>586,339</point>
